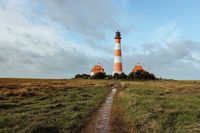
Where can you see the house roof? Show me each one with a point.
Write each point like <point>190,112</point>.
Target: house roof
<point>138,67</point>
<point>97,68</point>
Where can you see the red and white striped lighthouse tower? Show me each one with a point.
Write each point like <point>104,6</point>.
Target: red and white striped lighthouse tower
<point>118,54</point>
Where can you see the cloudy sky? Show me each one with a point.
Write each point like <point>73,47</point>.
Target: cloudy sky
<point>60,38</point>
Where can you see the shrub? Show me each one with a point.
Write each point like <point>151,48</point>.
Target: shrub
<point>84,76</point>
<point>120,76</point>
<point>99,75</point>
<point>141,75</point>
<point>116,76</point>
<point>78,76</point>
<point>131,76</point>
<point>109,76</point>
<point>123,76</point>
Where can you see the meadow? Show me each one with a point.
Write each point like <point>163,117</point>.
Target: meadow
<point>157,107</point>
<point>49,106</point>
<point>62,106</point>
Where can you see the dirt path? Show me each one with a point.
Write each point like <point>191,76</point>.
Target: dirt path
<point>100,121</point>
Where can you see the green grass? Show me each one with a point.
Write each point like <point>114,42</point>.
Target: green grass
<point>166,107</point>
<point>52,110</point>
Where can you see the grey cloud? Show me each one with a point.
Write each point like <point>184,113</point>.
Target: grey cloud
<point>9,30</point>
<point>66,63</point>
<point>88,18</point>
<point>14,54</point>
<point>167,61</point>
<point>62,63</point>
<point>150,46</point>
<point>2,59</point>
<point>71,62</point>
<point>181,48</point>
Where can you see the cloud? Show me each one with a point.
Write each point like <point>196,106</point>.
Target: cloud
<point>61,63</point>
<point>175,59</point>
<point>30,49</point>
<point>38,50</point>
<point>168,32</point>
<point>91,19</point>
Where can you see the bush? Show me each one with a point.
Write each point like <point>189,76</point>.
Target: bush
<point>123,76</point>
<point>141,75</point>
<point>120,76</point>
<point>84,76</point>
<point>109,76</point>
<point>78,76</point>
<point>99,75</point>
<point>116,76</point>
<point>131,76</point>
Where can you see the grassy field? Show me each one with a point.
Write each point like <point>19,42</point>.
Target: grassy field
<point>61,106</point>
<point>48,106</point>
<point>157,106</point>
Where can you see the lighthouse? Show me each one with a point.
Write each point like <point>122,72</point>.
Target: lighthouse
<point>117,54</point>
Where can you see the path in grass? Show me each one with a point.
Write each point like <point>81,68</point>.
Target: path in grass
<point>100,121</point>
